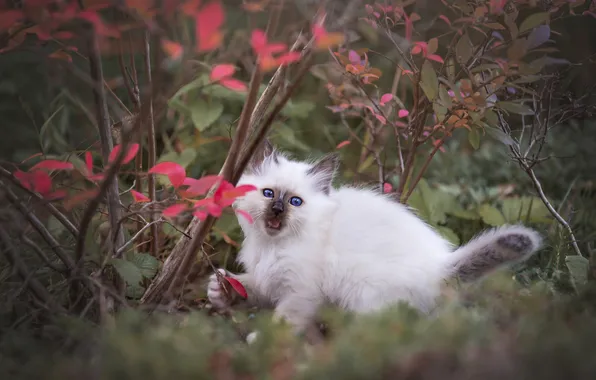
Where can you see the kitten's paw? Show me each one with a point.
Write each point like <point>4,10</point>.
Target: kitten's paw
<point>216,293</point>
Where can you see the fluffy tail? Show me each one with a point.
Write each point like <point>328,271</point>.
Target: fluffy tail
<point>494,248</point>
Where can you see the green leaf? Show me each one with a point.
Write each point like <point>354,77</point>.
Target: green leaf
<point>518,209</point>
<point>499,135</point>
<point>127,270</point>
<point>147,264</point>
<point>578,270</point>
<point>432,205</point>
<point>204,114</point>
<point>195,84</point>
<point>474,138</point>
<point>510,22</point>
<point>464,49</point>
<point>298,110</point>
<point>491,215</point>
<point>135,291</point>
<point>514,107</point>
<point>533,21</point>
<point>429,82</point>
<point>185,158</point>
<point>448,234</point>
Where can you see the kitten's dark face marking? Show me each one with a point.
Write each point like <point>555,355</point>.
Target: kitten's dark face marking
<point>278,209</point>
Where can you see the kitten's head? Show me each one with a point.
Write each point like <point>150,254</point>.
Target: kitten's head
<point>290,195</point>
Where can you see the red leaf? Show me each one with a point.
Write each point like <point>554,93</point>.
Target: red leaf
<point>9,18</point>
<point>38,181</point>
<point>223,187</point>
<point>176,173</point>
<point>101,28</point>
<point>201,215</point>
<point>214,209</point>
<point>174,210</point>
<point>234,84</point>
<point>79,198</point>
<point>89,163</point>
<point>138,197</point>
<point>52,165</point>
<point>208,22</point>
<point>173,49</point>
<point>342,144</point>
<point>132,152</point>
<point>202,185</point>
<point>222,71</point>
<point>403,113</point>
<point>435,57</point>
<point>387,187</point>
<point>386,98</point>
<point>287,58</point>
<point>258,41</point>
<point>237,286</point>
<point>246,216</point>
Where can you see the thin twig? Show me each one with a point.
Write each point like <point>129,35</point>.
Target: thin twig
<point>51,208</point>
<point>40,228</point>
<point>36,288</point>
<point>151,145</point>
<point>103,125</point>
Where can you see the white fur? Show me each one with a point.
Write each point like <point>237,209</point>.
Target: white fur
<point>354,248</point>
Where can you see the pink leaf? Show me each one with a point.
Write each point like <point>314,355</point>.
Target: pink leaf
<point>222,71</point>
<point>403,113</point>
<point>246,216</point>
<point>202,185</point>
<point>381,119</point>
<point>175,172</point>
<point>444,18</point>
<point>132,152</point>
<point>342,144</point>
<point>223,187</point>
<point>201,215</point>
<point>238,191</point>
<point>436,58</point>
<point>258,41</point>
<point>138,197</point>
<point>174,210</point>
<point>237,286</point>
<point>52,165</point>
<point>214,209</point>
<point>234,84</point>
<point>387,187</point>
<point>354,57</point>
<point>386,98</point>
<point>208,21</point>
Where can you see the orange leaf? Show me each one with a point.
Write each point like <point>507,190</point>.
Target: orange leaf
<point>329,40</point>
<point>173,49</point>
<point>61,54</point>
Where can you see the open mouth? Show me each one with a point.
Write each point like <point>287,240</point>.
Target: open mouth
<point>273,223</point>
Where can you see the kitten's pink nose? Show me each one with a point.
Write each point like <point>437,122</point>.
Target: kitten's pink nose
<point>277,207</point>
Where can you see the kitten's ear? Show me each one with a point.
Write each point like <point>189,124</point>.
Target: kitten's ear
<point>265,150</point>
<point>324,171</point>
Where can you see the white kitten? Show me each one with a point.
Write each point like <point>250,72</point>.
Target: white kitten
<point>355,248</point>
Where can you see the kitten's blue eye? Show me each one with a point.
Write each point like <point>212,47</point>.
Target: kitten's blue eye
<point>268,193</point>
<point>295,201</point>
